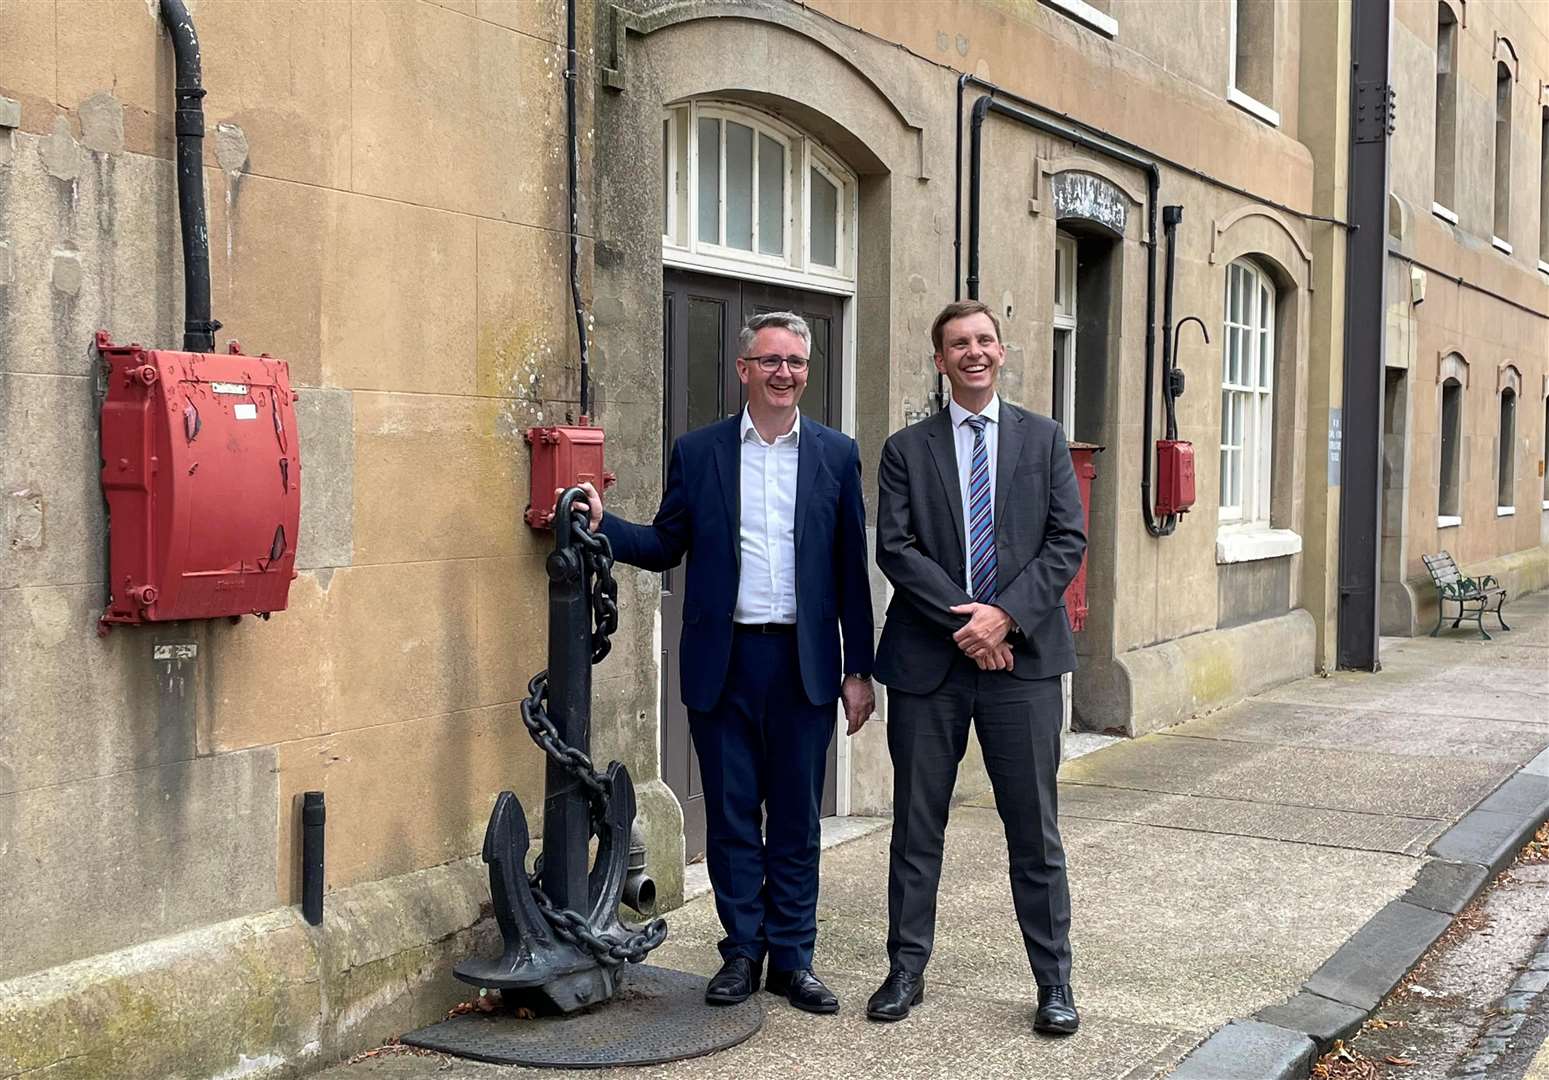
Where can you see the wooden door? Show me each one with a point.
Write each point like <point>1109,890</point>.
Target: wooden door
<point>701,318</point>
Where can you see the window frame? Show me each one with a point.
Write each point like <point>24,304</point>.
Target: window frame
<point>1445,18</point>
<point>1088,15</point>
<point>1252,508</point>
<point>685,248</point>
<point>1448,516</point>
<point>1500,174</point>
<point>1506,452</point>
<point>1064,321</point>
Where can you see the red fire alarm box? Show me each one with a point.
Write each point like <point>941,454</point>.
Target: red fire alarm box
<point>1174,476</point>
<point>202,474</point>
<point>563,457</point>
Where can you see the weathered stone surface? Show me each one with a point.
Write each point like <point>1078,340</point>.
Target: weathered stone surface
<point>379,253</point>
<point>259,993</point>
<point>1379,954</point>
<point>327,422</point>
<point>410,90</point>
<point>1172,681</point>
<point>10,113</point>
<point>404,795</point>
<point>102,123</point>
<point>96,864</point>
<point>443,464</point>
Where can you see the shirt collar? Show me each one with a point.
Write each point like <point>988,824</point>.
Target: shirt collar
<point>792,436</point>
<point>959,414</point>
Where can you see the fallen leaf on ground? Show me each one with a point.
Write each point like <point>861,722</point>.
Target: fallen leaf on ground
<point>1401,1061</point>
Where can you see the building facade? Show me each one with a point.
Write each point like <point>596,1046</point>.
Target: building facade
<point>387,195</point>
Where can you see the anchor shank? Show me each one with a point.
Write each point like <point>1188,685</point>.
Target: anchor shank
<point>566,811</point>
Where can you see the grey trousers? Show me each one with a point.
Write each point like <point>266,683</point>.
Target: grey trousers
<point>1018,723</point>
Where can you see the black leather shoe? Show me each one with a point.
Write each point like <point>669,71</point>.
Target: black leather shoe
<point>899,992</point>
<point>1056,1011</point>
<point>734,983</point>
<point>803,990</point>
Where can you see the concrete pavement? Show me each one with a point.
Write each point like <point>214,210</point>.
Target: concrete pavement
<point>1215,866</point>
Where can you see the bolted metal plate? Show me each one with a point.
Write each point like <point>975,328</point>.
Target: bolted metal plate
<point>657,1015</point>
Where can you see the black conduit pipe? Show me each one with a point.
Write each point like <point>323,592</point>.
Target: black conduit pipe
<point>198,328</point>
<point>313,815</point>
<point>1171,216</point>
<point>572,74</point>
<point>982,108</point>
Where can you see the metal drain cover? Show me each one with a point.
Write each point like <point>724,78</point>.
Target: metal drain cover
<point>657,1015</point>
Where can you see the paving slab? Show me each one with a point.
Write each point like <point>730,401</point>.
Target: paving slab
<point>1396,784</point>
<point>1484,702</point>
<point>945,1034</point>
<point>1271,821</point>
<point>1333,727</point>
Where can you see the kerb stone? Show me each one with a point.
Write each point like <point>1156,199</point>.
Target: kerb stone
<point>1248,1048</point>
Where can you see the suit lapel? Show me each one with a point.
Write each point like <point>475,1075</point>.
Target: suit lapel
<point>728,464</point>
<point>943,450</point>
<point>809,456</point>
<point>1007,454</point>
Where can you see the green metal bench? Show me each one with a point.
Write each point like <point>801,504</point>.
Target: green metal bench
<point>1472,595</point>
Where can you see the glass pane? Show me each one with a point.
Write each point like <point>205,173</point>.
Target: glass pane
<point>739,186</point>
<point>706,339</point>
<point>666,177</point>
<point>825,221</point>
<point>1266,361</point>
<point>709,180</point>
<point>771,196</point>
<point>815,400</point>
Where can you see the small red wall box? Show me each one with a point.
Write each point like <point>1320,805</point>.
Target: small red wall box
<point>563,457</point>
<point>202,474</point>
<point>1174,476</point>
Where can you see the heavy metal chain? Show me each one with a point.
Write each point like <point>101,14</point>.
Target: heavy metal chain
<point>572,926</point>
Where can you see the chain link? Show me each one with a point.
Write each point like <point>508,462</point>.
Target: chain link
<point>571,926</point>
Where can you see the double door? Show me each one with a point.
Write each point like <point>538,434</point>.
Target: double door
<point>701,319</point>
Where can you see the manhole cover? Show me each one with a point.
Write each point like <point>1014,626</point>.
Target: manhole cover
<point>657,1015</point>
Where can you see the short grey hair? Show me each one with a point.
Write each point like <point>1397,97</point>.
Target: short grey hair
<point>781,320</point>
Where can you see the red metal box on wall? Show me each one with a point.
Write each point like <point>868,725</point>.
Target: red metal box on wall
<point>563,457</point>
<point>1174,476</point>
<point>202,474</point>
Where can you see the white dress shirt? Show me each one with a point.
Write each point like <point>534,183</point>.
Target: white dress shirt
<point>766,581</point>
<point>963,441</point>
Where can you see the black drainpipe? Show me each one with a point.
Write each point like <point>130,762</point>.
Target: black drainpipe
<point>198,328</point>
<point>988,104</point>
<point>572,74</point>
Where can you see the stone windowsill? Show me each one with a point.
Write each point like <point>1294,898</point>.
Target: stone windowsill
<point>1087,15</point>
<point>1235,544</point>
<point>1500,245</point>
<point>1505,511</point>
<point>1253,106</point>
<point>1448,521</point>
<point>1445,214</point>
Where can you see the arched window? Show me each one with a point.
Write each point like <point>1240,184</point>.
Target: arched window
<point>1247,395</point>
<point>1447,510</point>
<point>745,193</point>
<point>1506,466</point>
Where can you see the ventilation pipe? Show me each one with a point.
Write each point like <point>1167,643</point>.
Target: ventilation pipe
<point>572,74</point>
<point>198,328</point>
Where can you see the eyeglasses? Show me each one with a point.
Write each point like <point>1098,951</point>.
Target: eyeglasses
<point>771,363</point>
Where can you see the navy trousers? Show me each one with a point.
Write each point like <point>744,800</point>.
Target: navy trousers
<point>764,747</point>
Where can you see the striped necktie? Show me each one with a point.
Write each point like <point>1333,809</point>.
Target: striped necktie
<point>981,518</point>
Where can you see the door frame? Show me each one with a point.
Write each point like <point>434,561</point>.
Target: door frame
<point>845,417</point>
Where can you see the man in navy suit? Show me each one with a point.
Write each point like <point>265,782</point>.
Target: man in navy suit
<point>767,506</point>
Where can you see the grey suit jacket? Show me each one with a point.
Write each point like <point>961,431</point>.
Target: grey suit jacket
<point>1040,537</point>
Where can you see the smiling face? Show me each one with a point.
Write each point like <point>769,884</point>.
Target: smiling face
<point>778,390</point>
<point>971,357</point>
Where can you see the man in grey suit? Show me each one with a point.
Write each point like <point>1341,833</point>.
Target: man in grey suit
<point>980,529</point>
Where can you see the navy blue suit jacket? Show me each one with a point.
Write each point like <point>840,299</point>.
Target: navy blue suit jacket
<point>700,517</point>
